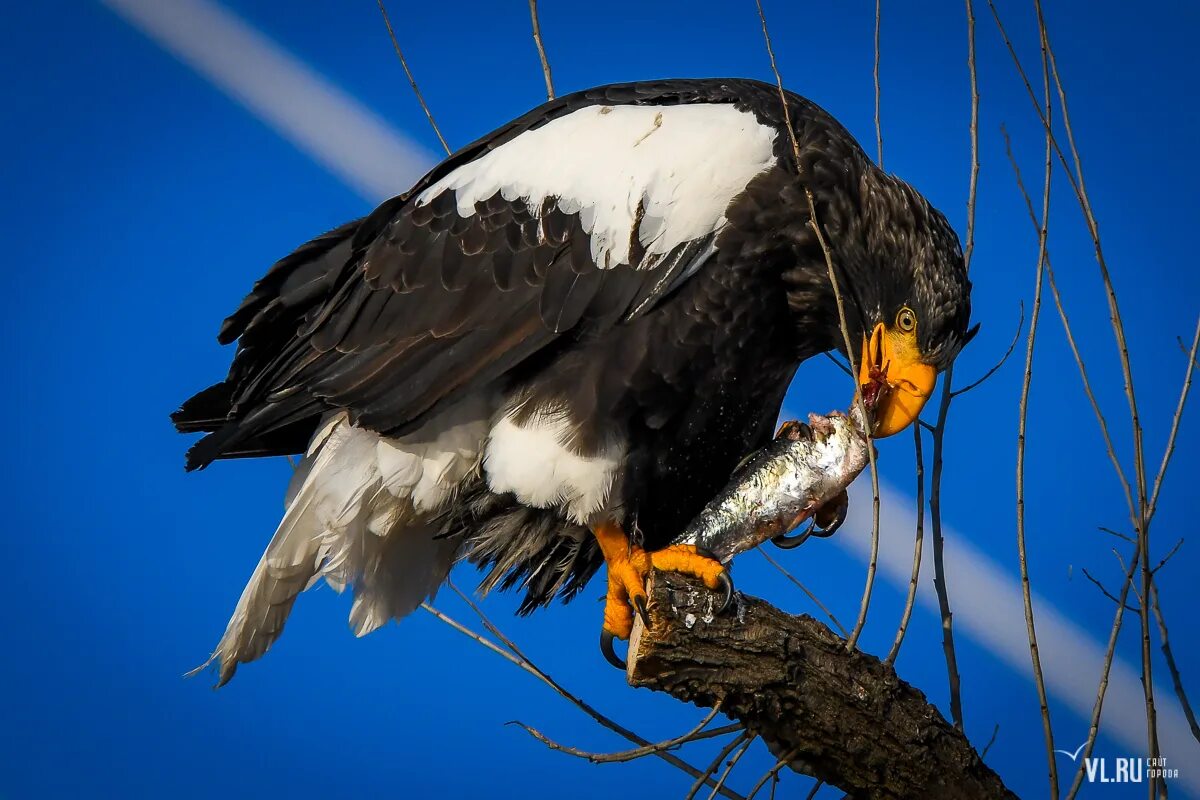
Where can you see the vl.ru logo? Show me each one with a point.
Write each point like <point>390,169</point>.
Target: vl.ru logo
<point>1122,769</point>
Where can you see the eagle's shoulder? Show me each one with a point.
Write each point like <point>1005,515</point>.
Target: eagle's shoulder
<point>763,103</point>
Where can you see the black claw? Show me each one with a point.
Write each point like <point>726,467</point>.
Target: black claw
<point>832,528</point>
<point>724,578</point>
<point>606,647</point>
<point>727,585</point>
<point>640,604</point>
<point>837,523</point>
<point>791,542</point>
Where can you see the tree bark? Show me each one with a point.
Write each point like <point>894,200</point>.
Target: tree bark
<point>843,717</point>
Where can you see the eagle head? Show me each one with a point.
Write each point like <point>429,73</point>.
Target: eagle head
<point>903,280</point>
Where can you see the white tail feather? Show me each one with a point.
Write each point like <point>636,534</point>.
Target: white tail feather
<point>341,524</point>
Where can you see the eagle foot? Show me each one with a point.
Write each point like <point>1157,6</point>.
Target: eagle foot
<point>825,522</point>
<point>628,566</point>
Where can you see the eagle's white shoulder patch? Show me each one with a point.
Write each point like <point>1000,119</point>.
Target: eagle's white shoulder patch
<point>681,164</point>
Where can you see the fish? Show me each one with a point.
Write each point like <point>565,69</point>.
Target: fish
<point>805,467</point>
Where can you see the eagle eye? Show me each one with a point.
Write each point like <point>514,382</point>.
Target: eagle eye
<point>906,320</point>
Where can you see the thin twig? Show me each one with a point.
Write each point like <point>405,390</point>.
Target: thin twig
<point>1141,525</point>
<point>828,354</point>
<point>1172,667</point>
<point>483,640</point>
<point>918,544</point>
<point>873,562</point>
<point>518,658</point>
<point>694,735</point>
<point>1023,416</point>
<point>983,753</point>
<point>969,249</point>
<point>729,768</point>
<point>771,773</point>
<point>416,90</point>
<point>939,543</point>
<point>1170,448</point>
<point>1070,334</point>
<point>938,430</point>
<point>878,127</point>
<point>995,367</point>
<point>787,112</point>
<point>1129,539</point>
<point>1079,189</point>
<point>814,223</point>
<point>1105,591</point>
<point>1121,602</point>
<point>1102,689</point>
<point>706,776</point>
<point>541,48</point>
<point>1170,554</point>
<point>837,624</point>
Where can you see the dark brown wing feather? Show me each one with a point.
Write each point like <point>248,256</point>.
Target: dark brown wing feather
<point>393,322</point>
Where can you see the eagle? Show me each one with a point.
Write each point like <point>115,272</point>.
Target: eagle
<point>549,353</point>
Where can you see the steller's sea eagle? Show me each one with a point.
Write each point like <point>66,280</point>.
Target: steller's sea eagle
<point>557,346</point>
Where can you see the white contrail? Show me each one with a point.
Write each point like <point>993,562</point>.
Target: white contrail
<point>300,105</point>
<point>359,148</point>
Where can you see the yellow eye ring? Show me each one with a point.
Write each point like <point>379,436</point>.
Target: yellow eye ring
<point>906,320</point>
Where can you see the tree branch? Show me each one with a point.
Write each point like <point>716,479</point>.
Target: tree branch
<point>840,715</point>
<point>541,48</point>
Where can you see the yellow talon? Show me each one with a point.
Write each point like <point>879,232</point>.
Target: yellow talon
<point>628,566</point>
<point>687,560</point>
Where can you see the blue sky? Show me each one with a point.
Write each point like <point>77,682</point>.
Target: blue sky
<point>143,201</point>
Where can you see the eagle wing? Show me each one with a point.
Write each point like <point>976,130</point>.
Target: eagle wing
<point>573,219</point>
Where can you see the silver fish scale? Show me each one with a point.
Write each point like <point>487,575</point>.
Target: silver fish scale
<point>780,487</point>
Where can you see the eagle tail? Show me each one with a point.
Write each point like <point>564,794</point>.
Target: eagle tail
<point>341,524</point>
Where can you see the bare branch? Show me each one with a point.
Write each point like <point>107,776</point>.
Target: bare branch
<point>1140,521</point>
<point>814,223</point>
<point>1129,539</point>
<point>771,773</point>
<point>969,249</point>
<point>938,430</point>
<point>1070,333</point>
<point>732,763</point>
<point>787,112</point>
<point>1102,689</point>
<point>1170,448</point>
<point>1023,416</point>
<point>828,354</point>
<point>878,127</point>
<point>918,545</point>
<point>1176,679</point>
<point>694,735</point>
<point>873,561</point>
<point>939,566</point>
<point>995,367</point>
<point>1168,556</point>
<point>541,48</point>
<point>1105,591</point>
<point>991,741</point>
<point>837,624</point>
<point>716,764</point>
<point>1093,230</point>
<point>413,81</point>
<point>518,658</point>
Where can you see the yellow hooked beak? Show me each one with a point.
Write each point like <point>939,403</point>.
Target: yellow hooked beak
<point>891,356</point>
